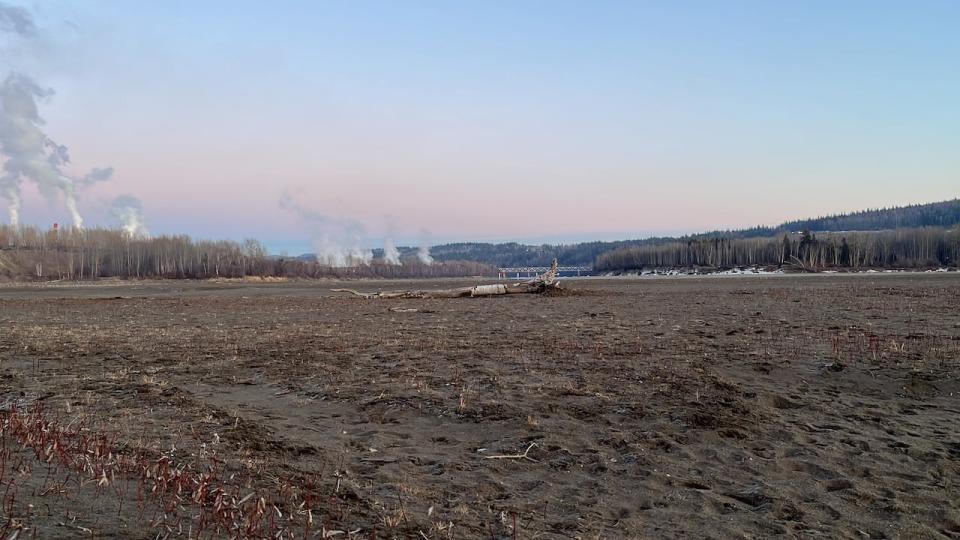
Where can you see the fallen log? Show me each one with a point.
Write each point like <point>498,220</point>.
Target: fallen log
<point>803,267</point>
<point>538,285</point>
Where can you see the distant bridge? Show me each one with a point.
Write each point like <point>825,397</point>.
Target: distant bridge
<point>533,271</point>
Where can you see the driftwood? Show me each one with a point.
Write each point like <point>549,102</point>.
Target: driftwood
<point>540,284</point>
<point>803,267</point>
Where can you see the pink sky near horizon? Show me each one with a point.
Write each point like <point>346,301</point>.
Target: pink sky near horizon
<point>617,122</point>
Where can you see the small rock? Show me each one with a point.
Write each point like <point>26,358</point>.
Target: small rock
<point>838,484</point>
<point>753,495</point>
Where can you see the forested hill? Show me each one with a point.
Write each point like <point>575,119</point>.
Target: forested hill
<point>939,214</point>
<point>514,254</point>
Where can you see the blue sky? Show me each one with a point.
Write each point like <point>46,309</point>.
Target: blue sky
<point>499,120</point>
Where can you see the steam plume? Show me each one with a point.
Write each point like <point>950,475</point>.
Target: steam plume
<point>423,253</point>
<point>16,20</point>
<point>338,242</point>
<point>11,192</point>
<point>95,176</point>
<point>129,212</point>
<point>391,255</point>
<point>30,153</point>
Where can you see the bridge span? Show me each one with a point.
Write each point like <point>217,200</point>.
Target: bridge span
<point>533,271</point>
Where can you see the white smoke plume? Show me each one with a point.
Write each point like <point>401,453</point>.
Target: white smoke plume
<point>423,253</point>
<point>128,210</point>
<point>338,251</point>
<point>391,255</point>
<point>95,176</point>
<point>338,242</point>
<point>29,155</point>
<point>16,20</point>
<point>11,192</point>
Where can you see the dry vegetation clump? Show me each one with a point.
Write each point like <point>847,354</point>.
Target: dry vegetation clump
<point>177,498</point>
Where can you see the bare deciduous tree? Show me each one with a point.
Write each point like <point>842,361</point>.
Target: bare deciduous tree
<point>98,253</point>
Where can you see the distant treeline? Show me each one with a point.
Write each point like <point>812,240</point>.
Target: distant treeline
<point>514,254</point>
<point>30,253</point>
<point>910,236</point>
<point>940,214</point>
<point>901,248</point>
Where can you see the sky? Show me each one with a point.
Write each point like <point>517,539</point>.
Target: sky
<point>479,121</point>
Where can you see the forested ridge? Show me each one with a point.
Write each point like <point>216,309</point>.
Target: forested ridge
<point>944,214</point>
<point>938,214</point>
<point>899,248</point>
<point>916,236</point>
